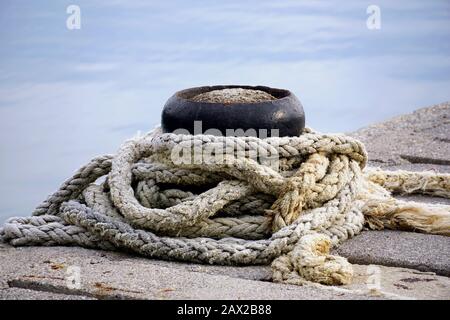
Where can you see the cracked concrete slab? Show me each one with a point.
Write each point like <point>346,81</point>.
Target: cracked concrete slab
<point>398,283</point>
<point>44,271</point>
<point>423,252</point>
<point>421,137</point>
<point>111,275</point>
<point>28,294</point>
<point>416,142</point>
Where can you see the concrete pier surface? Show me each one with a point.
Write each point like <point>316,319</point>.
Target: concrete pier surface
<point>387,264</point>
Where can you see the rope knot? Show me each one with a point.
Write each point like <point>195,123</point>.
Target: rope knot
<point>310,261</point>
<point>298,189</point>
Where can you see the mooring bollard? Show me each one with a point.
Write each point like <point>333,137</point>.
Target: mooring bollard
<point>234,110</point>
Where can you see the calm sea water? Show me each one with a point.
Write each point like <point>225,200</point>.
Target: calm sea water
<point>68,95</point>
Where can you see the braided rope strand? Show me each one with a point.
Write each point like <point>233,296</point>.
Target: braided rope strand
<point>209,199</point>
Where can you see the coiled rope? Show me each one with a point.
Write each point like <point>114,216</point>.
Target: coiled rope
<point>229,207</point>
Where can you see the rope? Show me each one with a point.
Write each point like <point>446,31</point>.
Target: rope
<point>234,201</point>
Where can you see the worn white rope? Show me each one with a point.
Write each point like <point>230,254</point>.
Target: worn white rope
<point>234,209</point>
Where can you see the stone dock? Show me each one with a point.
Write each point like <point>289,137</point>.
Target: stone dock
<point>387,264</point>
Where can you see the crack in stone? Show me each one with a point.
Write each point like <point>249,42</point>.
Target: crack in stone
<point>425,160</point>
<point>110,293</point>
<point>442,139</point>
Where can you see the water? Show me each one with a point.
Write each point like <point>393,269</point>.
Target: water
<point>68,95</point>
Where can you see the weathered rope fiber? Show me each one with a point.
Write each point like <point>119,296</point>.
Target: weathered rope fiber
<point>227,206</point>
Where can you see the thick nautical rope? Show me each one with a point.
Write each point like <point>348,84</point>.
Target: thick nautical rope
<point>226,206</point>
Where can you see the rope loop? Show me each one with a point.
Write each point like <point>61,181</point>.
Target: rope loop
<point>234,200</point>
